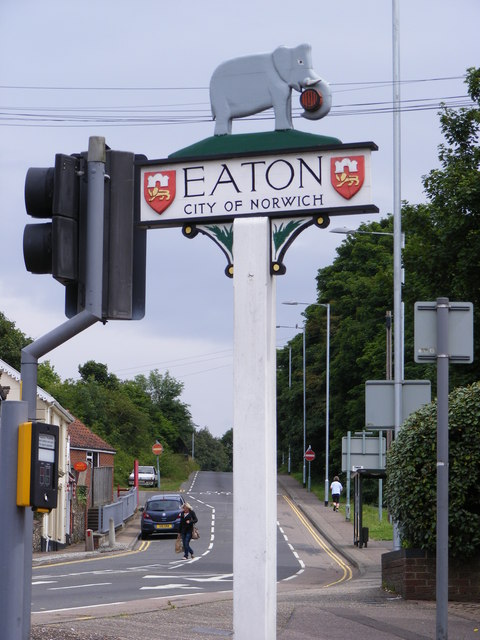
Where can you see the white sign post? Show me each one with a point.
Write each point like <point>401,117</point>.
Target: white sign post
<point>254,434</point>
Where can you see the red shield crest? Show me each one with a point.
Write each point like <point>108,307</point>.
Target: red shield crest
<point>159,189</point>
<point>347,175</point>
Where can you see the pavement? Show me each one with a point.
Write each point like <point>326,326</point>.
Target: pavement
<point>354,610</point>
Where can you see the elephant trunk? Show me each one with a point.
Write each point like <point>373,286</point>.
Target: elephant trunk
<point>316,100</point>
<point>311,80</point>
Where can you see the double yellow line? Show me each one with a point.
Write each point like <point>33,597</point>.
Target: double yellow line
<point>346,570</point>
<point>143,546</point>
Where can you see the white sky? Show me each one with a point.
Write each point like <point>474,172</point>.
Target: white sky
<point>92,61</point>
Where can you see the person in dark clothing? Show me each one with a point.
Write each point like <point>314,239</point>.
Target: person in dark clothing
<point>187,520</point>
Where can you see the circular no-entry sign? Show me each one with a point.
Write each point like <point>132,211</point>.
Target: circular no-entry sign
<point>309,455</point>
<point>157,448</point>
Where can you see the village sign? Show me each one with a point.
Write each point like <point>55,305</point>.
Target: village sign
<point>295,179</point>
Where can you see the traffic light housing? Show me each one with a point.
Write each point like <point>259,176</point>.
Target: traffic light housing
<point>60,247</point>
<point>124,255</point>
<point>124,245</point>
<point>53,192</point>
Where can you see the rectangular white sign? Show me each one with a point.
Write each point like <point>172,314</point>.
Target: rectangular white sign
<point>275,184</point>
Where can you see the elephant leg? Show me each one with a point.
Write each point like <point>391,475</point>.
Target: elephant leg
<point>283,113</point>
<point>223,126</point>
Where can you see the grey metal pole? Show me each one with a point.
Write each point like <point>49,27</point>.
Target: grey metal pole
<point>304,410</point>
<point>397,236</point>
<point>442,469</point>
<point>289,367</point>
<point>15,546</point>
<point>349,444</point>
<point>95,222</point>
<point>380,481</point>
<point>327,406</point>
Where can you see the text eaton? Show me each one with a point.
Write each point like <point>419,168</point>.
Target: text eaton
<point>250,176</point>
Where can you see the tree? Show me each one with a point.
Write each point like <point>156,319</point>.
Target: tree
<point>47,377</point>
<point>98,372</point>
<point>164,392</point>
<point>443,238</point>
<point>411,475</point>
<point>12,341</point>
<point>209,452</point>
<point>227,442</point>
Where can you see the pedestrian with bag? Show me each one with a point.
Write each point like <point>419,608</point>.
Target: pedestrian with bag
<point>188,519</point>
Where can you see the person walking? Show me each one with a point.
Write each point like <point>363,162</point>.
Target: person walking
<point>336,489</point>
<point>187,520</point>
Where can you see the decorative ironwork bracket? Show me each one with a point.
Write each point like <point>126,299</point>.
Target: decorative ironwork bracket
<point>221,234</point>
<point>283,233</point>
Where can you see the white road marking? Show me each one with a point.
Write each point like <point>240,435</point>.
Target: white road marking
<point>170,586</point>
<point>81,586</point>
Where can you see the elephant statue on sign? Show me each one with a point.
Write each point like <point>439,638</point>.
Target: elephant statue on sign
<point>250,84</point>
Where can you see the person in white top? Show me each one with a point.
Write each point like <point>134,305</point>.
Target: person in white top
<point>336,489</point>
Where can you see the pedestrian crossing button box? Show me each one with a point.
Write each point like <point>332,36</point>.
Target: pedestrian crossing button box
<point>37,468</point>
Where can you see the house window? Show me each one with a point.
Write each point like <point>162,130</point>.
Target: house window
<point>93,458</point>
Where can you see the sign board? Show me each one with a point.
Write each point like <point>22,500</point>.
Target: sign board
<point>324,179</point>
<point>460,332</point>
<point>364,453</point>
<point>157,449</point>
<point>80,466</point>
<point>380,401</point>
<point>309,455</point>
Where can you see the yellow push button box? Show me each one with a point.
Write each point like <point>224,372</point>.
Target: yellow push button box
<point>37,469</point>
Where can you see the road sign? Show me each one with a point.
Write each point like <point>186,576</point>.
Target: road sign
<point>365,453</point>
<point>309,455</point>
<point>157,449</point>
<point>460,332</point>
<point>379,401</point>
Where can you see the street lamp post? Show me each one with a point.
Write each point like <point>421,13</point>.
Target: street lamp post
<point>327,395</point>
<point>282,326</point>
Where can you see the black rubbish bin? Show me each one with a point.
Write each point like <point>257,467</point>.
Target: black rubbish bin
<point>364,536</point>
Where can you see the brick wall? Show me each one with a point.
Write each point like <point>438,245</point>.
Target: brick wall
<point>412,574</point>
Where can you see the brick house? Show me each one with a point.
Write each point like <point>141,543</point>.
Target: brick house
<point>94,486</point>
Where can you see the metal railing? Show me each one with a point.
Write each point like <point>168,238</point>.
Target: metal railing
<point>120,510</point>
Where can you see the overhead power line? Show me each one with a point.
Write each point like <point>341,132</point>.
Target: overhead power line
<point>359,84</point>
<point>186,112</point>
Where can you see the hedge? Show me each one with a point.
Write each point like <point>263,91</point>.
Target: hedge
<point>410,488</point>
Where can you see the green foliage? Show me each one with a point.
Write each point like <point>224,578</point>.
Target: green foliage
<point>12,341</point>
<point>47,377</point>
<point>227,442</point>
<point>210,453</point>
<point>411,475</point>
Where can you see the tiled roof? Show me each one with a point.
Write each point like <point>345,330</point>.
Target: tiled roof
<point>82,438</point>
<point>13,373</point>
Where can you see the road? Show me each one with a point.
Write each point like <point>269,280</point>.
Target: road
<point>154,571</point>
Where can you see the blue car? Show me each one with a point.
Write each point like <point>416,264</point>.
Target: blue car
<point>161,514</point>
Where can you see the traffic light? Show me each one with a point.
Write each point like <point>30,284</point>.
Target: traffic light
<point>124,246</point>
<point>60,247</point>
<point>53,192</point>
